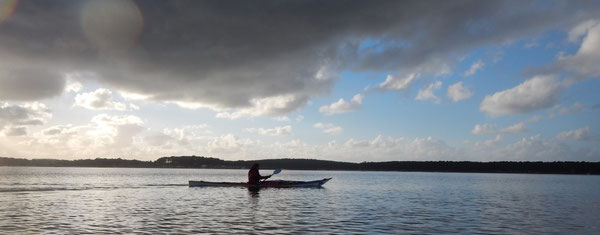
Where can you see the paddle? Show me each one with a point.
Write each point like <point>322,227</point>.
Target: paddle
<point>275,172</point>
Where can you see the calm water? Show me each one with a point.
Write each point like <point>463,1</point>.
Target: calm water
<point>106,200</point>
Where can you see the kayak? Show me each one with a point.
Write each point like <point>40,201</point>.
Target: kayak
<point>263,184</point>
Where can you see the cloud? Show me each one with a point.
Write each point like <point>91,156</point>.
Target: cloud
<point>398,83</point>
<point>577,134</point>
<point>535,148</point>
<point>105,135</point>
<point>115,131</point>
<point>489,143</point>
<point>427,92</point>
<point>585,61</point>
<point>266,106</point>
<point>101,99</point>
<point>536,93</point>
<point>282,119</point>
<point>72,82</point>
<point>15,118</point>
<point>476,66</point>
<point>516,128</point>
<point>29,84</point>
<point>180,137</point>
<point>15,131</point>
<point>228,144</point>
<point>581,30</point>
<point>398,148</point>
<point>481,129</point>
<point>73,86</point>
<point>343,106</point>
<point>275,131</point>
<point>531,44</point>
<point>58,130</point>
<point>329,128</point>
<point>108,120</point>
<point>576,107</point>
<point>535,118</point>
<point>458,92</point>
<point>227,57</point>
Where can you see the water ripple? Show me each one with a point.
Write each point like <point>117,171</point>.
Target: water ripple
<point>155,201</point>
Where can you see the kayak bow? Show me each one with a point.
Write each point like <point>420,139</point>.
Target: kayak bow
<point>264,184</point>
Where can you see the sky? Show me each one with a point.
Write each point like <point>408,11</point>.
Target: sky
<point>335,80</point>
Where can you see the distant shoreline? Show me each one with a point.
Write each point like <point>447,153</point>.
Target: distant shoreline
<point>194,162</point>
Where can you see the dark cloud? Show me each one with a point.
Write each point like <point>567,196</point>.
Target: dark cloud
<point>29,84</point>
<point>228,54</point>
<point>14,119</point>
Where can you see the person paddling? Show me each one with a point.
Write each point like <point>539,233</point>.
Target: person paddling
<point>254,176</point>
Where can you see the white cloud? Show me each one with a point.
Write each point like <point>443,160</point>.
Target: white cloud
<point>282,119</point>
<point>534,148</point>
<point>581,30</point>
<point>576,107</point>
<point>536,93</point>
<point>481,129</point>
<point>342,106</point>
<point>535,118</point>
<point>57,130</point>
<point>398,83</point>
<point>585,61</point>
<point>531,44</point>
<point>133,96</point>
<point>458,92</point>
<point>180,137</point>
<point>105,119</point>
<point>157,139</point>
<point>399,148</point>
<point>100,99</point>
<point>427,92</point>
<point>275,131</point>
<point>356,143</point>
<point>229,144</point>
<point>73,86</point>
<point>516,128</point>
<point>577,134</point>
<point>329,128</point>
<point>276,105</point>
<point>105,135</point>
<point>115,131</point>
<point>489,143</point>
<point>476,66</point>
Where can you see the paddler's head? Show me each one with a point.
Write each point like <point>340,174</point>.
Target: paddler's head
<point>255,166</point>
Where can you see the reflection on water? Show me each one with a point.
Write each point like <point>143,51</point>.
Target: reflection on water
<point>254,192</point>
<point>103,200</point>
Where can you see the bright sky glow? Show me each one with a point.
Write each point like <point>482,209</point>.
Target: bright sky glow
<point>393,81</point>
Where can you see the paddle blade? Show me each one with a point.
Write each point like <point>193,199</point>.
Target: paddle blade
<point>276,171</point>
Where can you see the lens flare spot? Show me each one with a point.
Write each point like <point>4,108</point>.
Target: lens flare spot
<point>7,8</point>
<point>112,25</point>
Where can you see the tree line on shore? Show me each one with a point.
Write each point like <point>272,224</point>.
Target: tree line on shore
<point>561,167</point>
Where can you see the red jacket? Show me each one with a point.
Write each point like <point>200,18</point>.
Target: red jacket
<point>254,176</point>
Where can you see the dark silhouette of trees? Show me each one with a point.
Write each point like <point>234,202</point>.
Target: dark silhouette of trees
<point>312,164</point>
